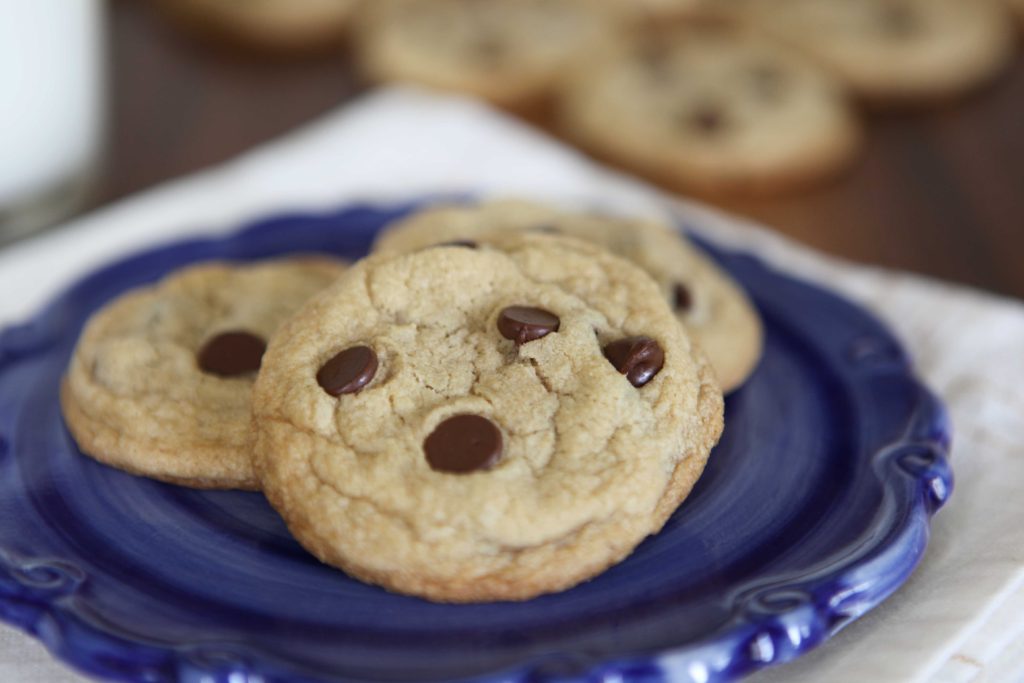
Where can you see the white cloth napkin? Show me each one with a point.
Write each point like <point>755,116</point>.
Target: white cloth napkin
<point>960,617</point>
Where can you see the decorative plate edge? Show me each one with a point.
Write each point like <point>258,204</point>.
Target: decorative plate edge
<point>789,620</point>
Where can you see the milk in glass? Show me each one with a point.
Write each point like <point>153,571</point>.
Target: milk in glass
<point>51,106</point>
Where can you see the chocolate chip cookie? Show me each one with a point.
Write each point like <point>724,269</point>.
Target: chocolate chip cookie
<point>511,52</point>
<point>895,51</point>
<point>712,109</point>
<point>160,381</point>
<point>707,301</point>
<point>474,423</point>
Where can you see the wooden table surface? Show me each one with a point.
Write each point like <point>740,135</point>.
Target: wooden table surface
<point>939,191</point>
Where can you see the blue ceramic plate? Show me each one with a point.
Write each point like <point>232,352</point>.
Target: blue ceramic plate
<point>814,508</point>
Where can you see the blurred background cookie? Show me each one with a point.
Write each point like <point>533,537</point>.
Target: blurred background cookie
<point>510,52</point>
<point>279,26</point>
<point>893,51</point>
<point>713,109</point>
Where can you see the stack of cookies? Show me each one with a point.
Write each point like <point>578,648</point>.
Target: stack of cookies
<point>501,401</point>
<point>709,96</point>
<point>716,97</point>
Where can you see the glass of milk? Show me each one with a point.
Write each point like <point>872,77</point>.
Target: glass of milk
<point>51,109</point>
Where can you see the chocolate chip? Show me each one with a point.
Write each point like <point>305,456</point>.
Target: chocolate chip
<point>463,443</point>
<point>638,358</point>
<point>231,354</point>
<point>348,372</point>
<point>707,119</point>
<point>682,299</point>
<point>523,324</point>
<point>468,244</point>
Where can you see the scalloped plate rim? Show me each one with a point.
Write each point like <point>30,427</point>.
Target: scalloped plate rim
<point>62,631</point>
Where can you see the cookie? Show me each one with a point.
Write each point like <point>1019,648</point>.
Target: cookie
<point>713,110</point>
<point>511,52</point>
<point>478,423</point>
<point>896,51</point>
<point>282,26</point>
<point>161,378</point>
<point>714,309</point>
